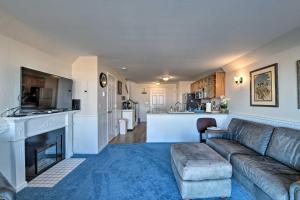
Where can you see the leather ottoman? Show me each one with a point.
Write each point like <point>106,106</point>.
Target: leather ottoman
<point>200,172</point>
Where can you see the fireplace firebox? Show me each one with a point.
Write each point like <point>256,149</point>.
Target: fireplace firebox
<point>44,151</point>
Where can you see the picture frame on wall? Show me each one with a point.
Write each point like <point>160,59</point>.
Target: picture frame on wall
<point>119,88</point>
<point>264,86</point>
<point>298,82</point>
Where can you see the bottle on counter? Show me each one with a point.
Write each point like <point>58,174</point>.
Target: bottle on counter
<point>208,107</point>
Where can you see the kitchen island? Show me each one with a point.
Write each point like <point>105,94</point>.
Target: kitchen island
<point>178,127</point>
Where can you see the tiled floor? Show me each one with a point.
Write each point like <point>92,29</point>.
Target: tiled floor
<point>55,174</point>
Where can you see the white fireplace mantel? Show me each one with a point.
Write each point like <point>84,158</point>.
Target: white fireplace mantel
<point>4,127</point>
<point>21,128</point>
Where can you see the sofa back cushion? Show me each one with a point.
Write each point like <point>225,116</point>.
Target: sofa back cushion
<point>285,147</point>
<point>234,127</point>
<point>253,135</point>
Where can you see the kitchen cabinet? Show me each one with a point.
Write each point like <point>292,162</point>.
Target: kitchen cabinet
<point>194,86</point>
<point>219,84</point>
<point>212,86</point>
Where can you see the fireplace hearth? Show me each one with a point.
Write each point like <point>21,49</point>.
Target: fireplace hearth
<point>44,151</point>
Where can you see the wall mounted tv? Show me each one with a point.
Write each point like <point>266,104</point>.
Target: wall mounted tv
<point>41,91</point>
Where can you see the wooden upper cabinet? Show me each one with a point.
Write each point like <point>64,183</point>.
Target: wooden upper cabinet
<point>213,85</point>
<point>194,86</point>
<point>220,84</point>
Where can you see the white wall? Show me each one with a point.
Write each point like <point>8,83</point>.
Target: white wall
<point>102,101</point>
<point>13,55</point>
<point>144,99</point>
<point>287,77</point>
<point>86,133</point>
<point>84,75</point>
<point>90,124</point>
<point>103,67</point>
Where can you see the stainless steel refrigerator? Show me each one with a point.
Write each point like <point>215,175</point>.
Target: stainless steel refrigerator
<point>189,101</point>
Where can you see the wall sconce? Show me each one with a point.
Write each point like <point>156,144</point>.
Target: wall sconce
<point>238,80</point>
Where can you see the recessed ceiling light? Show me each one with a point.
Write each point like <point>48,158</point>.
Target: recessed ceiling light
<point>157,83</point>
<point>166,77</point>
<point>124,68</point>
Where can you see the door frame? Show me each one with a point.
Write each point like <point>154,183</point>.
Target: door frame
<point>151,93</point>
<point>114,107</point>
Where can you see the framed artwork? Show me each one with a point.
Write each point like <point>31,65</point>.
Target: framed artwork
<point>298,82</point>
<point>264,86</point>
<point>119,87</point>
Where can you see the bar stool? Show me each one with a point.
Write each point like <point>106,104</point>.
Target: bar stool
<point>203,123</point>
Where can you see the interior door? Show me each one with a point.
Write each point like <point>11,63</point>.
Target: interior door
<point>111,107</point>
<point>158,100</point>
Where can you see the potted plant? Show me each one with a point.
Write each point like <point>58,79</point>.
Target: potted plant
<point>224,104</point>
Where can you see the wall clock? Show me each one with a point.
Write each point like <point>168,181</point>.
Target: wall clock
<point>103,80</point>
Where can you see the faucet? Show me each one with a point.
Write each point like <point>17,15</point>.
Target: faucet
<point>177,106</point>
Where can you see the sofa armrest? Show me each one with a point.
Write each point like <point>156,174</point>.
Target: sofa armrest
<point>222,134</point>
<point>295,191</point>
<point>7,192</point>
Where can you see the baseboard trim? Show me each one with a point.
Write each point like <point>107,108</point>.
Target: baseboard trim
<point>101,148</point>
<point>21,186</point>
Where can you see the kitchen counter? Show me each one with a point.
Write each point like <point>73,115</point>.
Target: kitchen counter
<point>188,112</point>
<point>179,127</point>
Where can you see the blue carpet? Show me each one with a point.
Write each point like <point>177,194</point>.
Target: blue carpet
<point>121,172</point>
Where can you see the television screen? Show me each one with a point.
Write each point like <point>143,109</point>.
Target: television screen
<point>43,91</point>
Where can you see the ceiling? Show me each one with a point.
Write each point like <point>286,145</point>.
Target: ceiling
<point>182,38</point>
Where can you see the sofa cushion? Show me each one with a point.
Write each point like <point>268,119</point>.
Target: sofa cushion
<point>228,147</point>
<point>285,147</point>
<point>234,128</point>
<point>255,136</point>
<point>268,174</point>
<point>195,162</point>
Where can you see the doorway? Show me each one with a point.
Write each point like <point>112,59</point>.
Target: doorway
<point>112,124</point>
<point>158,100</point>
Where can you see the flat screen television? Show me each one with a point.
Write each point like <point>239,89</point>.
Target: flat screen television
<point>41,91</point>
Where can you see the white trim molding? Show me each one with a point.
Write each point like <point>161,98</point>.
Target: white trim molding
<point>267,120</point>
<point>4,127</point>
<point>23,127</point>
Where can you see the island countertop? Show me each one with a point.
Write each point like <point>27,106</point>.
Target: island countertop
<point>186,113</point>
<point>179,127</point>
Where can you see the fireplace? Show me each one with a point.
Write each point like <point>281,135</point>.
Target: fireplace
<point>44,151</point>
